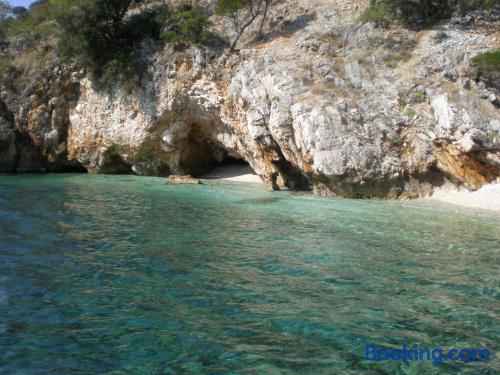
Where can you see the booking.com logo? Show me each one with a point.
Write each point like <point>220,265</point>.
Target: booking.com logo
<point>416,353</point>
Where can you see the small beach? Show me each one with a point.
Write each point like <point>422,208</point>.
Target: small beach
<point>234,173</point>
<point>487,198</point>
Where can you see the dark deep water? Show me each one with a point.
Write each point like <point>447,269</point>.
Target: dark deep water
<point>125,275</point>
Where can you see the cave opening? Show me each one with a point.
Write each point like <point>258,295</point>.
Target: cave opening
<point>204,157</point>
<point>229,166</point>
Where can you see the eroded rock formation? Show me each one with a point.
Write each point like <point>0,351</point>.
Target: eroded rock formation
<point>320,104</point>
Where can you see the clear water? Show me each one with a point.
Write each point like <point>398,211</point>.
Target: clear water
<point>125,275</point>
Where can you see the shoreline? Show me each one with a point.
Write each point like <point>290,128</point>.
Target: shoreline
<point>486,198</point>
<point>233,173</point>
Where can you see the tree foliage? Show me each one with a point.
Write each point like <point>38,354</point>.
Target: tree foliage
<point>187,23</point>
<point>486,68</point>
<point>101,35</point>
<point>5,9</point>
<point>37,22</point>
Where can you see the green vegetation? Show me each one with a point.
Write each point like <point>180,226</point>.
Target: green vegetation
<point>440,36</point>
<point>418,97</point>
<point>403,56</point>
<point>410,113</point>
<point>6,71</point>
<point>4,11</point>
<point>383,12</point>
<point>38,23</point>
<point>491,136</point>
<point>486,67</point>
<point>106,36</point>
<point>230,6</point>
<point>488,61</point>
<point>188,25</point>
<point>99,35</point>
<point>379,13</point>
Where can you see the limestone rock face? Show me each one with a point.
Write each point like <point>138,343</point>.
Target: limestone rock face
<point>323,103</point>
<point>8,151</point>
<point>34,120</point>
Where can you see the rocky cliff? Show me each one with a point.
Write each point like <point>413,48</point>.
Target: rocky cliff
<point>323,103</point>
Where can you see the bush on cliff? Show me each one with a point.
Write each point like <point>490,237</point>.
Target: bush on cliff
<point>187,24</point>
<point>102,36</point>
<point>4,13</point>
<point>420,12</point>
<point>486,67</point>
<point>36,23</point>
<point>379,13</point>
<point>6,72</point>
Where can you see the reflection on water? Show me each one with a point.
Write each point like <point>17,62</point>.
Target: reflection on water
<point>103,274</point>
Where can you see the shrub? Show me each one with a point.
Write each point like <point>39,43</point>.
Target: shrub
<point>4,13</point>
<point>188,24</point>
<point>488,61</point>
<point>403,56</point>
<point>439,37</point>
<point>35,24</point>
<point>418,97</point>
<point>379,13</point>
<point>6,70</point>
<point>486,67</point>
<point>410,113</point>
<point>421,12</point>
<point>229,6</point>
<point>99,35</point>
<point>171,36</point>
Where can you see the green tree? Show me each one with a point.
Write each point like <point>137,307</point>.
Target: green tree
<point>101,35</point>
<point>187,24</point>
<point>5,9</point>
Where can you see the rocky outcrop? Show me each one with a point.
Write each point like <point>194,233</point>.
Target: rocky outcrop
<point>184,180</point>
<point>34,120</point>
<point>322,104</point>
<point>8,151</point>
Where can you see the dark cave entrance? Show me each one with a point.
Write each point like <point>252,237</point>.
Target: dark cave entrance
<point>231,160</point>
<point>208,159</point>
<point>204,157</point>
<point>231,167</point>
<point>226,165</point>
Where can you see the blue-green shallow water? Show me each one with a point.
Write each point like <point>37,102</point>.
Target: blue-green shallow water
<point>126,275</point>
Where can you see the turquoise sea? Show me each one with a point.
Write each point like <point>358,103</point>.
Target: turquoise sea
<point>127,275</point>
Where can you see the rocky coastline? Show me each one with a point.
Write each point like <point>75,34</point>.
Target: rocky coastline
<point>321,104</point>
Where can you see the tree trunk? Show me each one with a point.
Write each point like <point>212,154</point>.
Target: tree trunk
<point>264,16</point>
<point>253,15</point>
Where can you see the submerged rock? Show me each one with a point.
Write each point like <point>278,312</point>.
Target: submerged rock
<point>184,180</point>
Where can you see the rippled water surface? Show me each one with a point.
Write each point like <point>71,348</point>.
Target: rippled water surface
<point>126,275</point>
